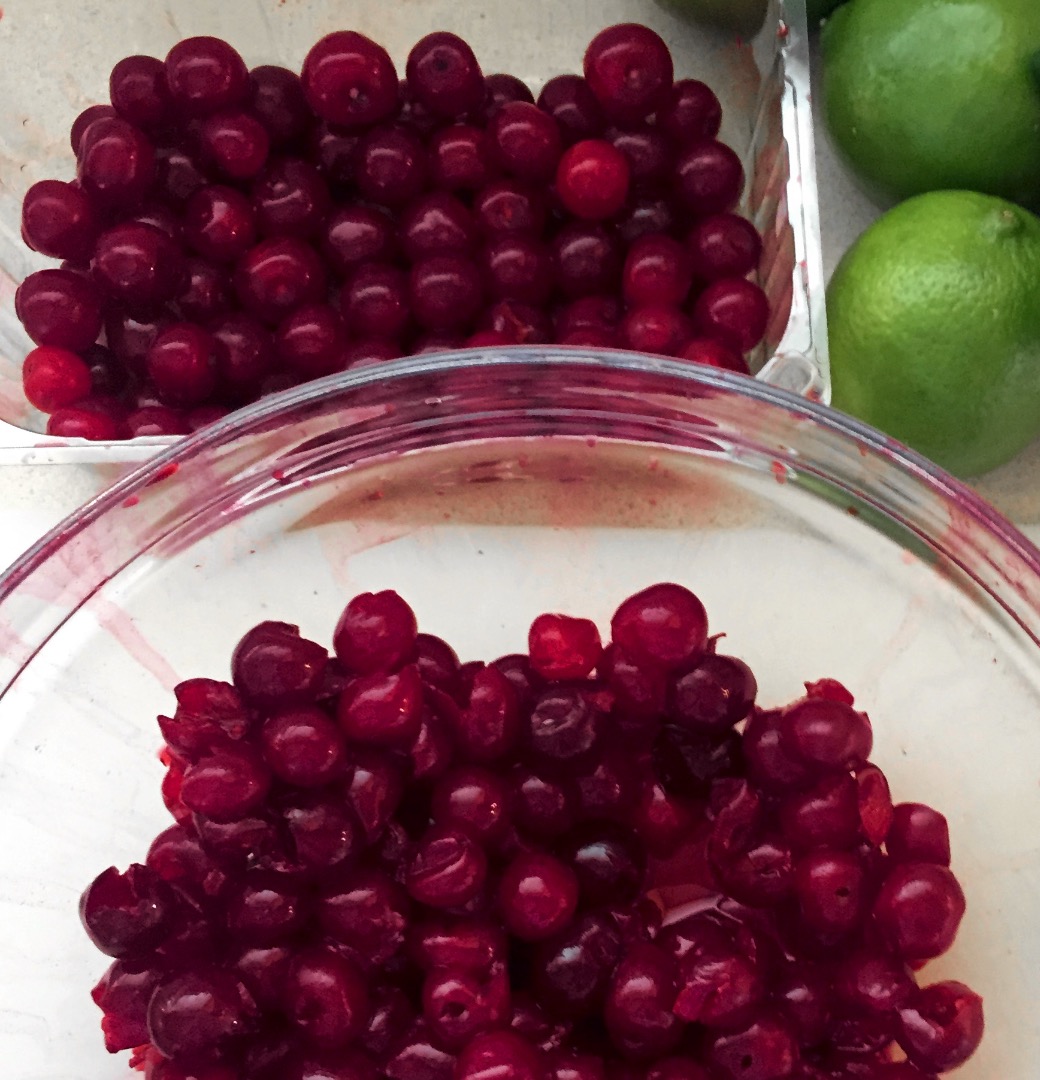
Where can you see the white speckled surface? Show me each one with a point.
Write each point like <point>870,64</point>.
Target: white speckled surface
<point>38,497</point>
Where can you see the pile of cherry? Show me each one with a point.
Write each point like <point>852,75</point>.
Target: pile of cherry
<point>386,863</point>
<point>231,233</point>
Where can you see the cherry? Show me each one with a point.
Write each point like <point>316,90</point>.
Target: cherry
<point>303,746</point>
<point>831,891</point>
<point>657,271</point>
<point>350,80</point>
<point>638,1010</point>
<point>562,647</point>
<point>518,323</point>
<point>609,862</point>
<point>569,100</point>
<point>592,180</point>
<point>655,329</point>
<point>247,356</point>
<point>290,198</point>
<point>391,166</point>
<point>734,311</point>
<point>918,834</point>
<point>84,120</point>
<point>122,994</point>
<point>714,354</point>
<point>138,265</point>
<point>499,1055</point>
<point>205,294</point>
<point>564,724</point>
<point>312,340</point>
<point>437,224</point>
<point>474,799</point>
<point>571,972</point>
<point>357,234</point>
<point>941,1027</point>
<point>264,910</point>
<point>503,89</point>
<point>177,177</point>
<point>646,213</point>
<point>825,816</point>
<point>458,1004</point>
<point>277,276</point>
<point>586,260</point>
<point>181,363</point>
<point>59,308</point>
<point>73,423</point>
<point>59,220</point>
<point>827,736</point>
<point>714,695</point>
<point>417,1057</point>
<point>541,804</point>
<point>460,158</point>
<point>465,944</point>
<point>629,69</point>
<point>205,74</point>
<point>525,141</point>
<point>444,75</point>
<point>273,667</point>
<point>537,896</point>
<point>510,206</point>
<point>197,1013</point>
<point>445,292</point>
<point>649,156</point>
<point>873,982</point>
<point>375,790</point>
<point>334,152</point>
<point>127,915</point>
<point>664,625</point>
<point>219,223</point>
<point>107,376</point>
<point>278,102</point>
<point>724,246</point>
<point>325,998</point>
<point>367,911</point>
<point>919,909</point>
<point>209,713</point>
<point>708,178</point>
<point>518,267</point>
<point>233,143</point>
<point>376,632</point>
<point>152,420</point>
<point>116,163</point>
<point>598,313</point>
<point>384,708</point>
<point>769,764</point>
<point>764,1051</point>
<point>447,868</point>
<point>54,378</point>
<point>227,784</point>
<point>690,112</point>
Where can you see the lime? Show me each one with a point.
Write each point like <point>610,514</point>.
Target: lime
<point>929,95</point>
<point>934,317</point>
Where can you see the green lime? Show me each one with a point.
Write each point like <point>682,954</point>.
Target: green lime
<point>929,95</point>
<point>934,318</point>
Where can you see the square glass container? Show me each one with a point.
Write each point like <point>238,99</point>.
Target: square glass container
<point>57,55</point>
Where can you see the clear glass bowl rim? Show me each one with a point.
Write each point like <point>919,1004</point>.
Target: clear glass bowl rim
<point>919,481</point>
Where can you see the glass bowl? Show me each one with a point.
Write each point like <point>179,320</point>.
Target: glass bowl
<point>762,81</point>
<point>486,490</point>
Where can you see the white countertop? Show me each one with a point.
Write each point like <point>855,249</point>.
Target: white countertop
<point>36,498</point>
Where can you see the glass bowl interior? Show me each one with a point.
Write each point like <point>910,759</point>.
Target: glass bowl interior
<point>485,493</point>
